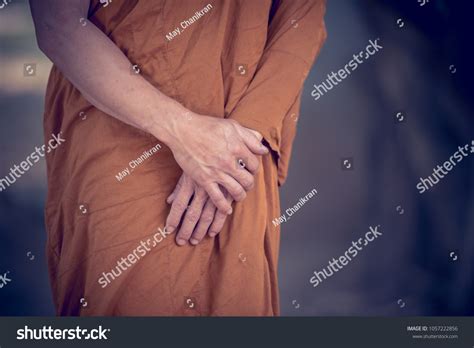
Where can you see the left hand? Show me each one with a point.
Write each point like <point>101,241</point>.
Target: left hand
<point>201,216</point>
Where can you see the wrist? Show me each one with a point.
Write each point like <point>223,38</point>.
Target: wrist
<point>167,120</point>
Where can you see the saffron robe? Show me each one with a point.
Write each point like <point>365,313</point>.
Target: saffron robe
<point>242,59</point>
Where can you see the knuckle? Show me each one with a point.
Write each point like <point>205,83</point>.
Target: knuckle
<point>202,179</point>
<point>234,148</point>
<point>248,183</point>
<point>172,219</point>
<point>207,218</point>
<point>220,201</point>
<point>229,165</point>
<point>192,215</point>
<point>201,193</point>
<point>240,195</point>
<point>180,205</point>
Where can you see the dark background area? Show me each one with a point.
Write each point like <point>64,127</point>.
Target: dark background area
<point>408,270</point>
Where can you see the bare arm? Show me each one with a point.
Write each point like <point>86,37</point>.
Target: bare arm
<point>92,63</point>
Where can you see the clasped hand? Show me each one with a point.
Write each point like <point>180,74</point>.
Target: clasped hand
<point>219,159</point>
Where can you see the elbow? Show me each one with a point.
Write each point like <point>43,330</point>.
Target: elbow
<point>51,36</point>
<point>42,44</point>
<point>45,39</point>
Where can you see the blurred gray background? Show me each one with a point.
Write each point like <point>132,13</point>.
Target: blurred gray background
<point>408,270</point>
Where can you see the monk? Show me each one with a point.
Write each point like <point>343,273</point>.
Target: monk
<point>178,118</point>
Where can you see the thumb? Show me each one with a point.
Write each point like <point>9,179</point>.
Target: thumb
<point>256,133</point>
<point>253,140</point>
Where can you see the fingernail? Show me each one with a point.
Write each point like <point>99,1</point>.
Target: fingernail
<point>181,242</point>
<point>194,241</point>
<point>229,211</point>
<point>212,234</point>
<point>169,229</point>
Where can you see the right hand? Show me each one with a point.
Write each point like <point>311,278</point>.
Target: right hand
<point>208,149</point>
<point>194,212</point>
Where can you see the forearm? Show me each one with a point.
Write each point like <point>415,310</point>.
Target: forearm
<point>205,147</point>
<point>103,74</point>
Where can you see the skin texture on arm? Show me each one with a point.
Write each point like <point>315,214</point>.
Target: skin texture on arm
<point>92,63</point>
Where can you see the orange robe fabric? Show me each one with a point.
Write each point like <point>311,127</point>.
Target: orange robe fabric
<point>240,59</point>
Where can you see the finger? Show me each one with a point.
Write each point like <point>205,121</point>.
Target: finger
<point>179,206</point>
<point>219,219</point>
<point>217,197</point>
<point>244,178</point>
<point>191,217</point>
<point>234,188</point>
<point>253,143</point>
<point>205,221</point>
<point>250,162</point>
<point>217,224</point>
<point>172,196</point>
<point>256,133</point>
